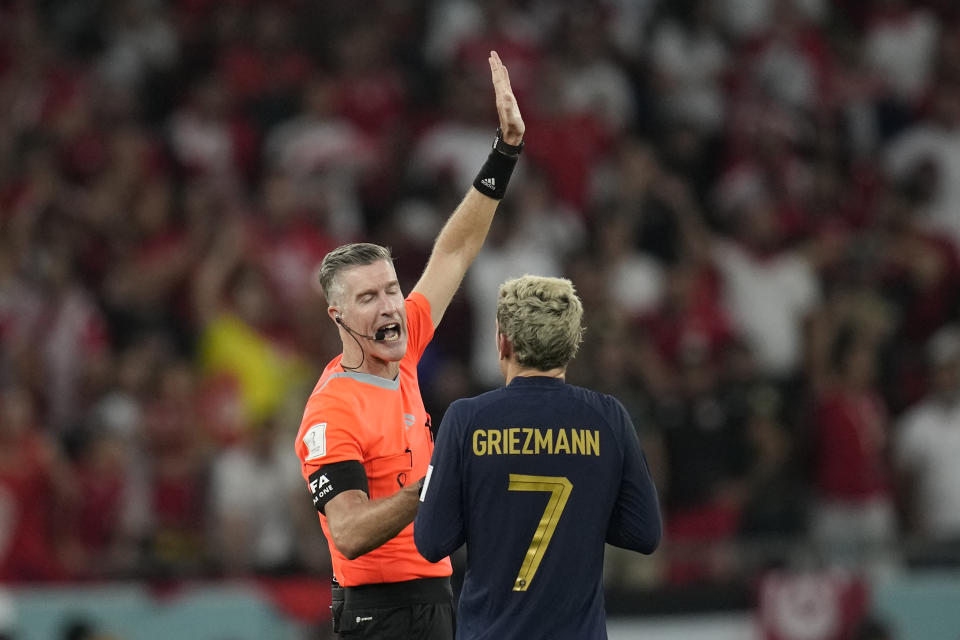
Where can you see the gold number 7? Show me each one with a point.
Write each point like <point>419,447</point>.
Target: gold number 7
<point>559,489</point>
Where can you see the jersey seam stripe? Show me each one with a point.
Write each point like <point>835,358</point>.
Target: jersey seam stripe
<point>363,378</point>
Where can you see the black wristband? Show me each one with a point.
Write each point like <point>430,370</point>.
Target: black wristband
<point>511,150</point>
<point>496,171</point>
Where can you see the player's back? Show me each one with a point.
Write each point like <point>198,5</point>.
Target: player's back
<point>549,472</point>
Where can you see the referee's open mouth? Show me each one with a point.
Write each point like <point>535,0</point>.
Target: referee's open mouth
<point>391,332</point>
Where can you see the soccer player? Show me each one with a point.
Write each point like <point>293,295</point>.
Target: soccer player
<point>366,439</point>
<point>534,477</point>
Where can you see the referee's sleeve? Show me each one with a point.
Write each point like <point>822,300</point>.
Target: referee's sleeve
<point>635,523</point>
<point>438,529</point>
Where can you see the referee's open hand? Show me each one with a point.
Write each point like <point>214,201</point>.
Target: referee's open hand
<point>511,123</point>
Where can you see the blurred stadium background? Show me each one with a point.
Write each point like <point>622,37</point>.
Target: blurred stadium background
<point>759,201</point>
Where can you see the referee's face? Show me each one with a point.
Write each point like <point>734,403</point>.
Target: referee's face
<point>373,302</point>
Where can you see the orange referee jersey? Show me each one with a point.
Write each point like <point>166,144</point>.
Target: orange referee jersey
<point>382,424</point>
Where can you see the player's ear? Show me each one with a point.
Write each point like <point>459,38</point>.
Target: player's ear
<point>504,347</point>
<point>333,312</point>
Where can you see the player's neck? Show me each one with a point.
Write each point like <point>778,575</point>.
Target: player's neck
<point>514,370</point>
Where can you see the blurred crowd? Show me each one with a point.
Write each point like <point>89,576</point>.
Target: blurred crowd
<point>758,201</point>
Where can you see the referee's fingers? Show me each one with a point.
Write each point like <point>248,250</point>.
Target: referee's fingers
<point>509,113</point>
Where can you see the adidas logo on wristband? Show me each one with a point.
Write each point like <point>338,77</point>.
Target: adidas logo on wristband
<point>495,174</point>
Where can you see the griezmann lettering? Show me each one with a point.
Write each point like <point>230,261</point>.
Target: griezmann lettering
<point>527,441</point>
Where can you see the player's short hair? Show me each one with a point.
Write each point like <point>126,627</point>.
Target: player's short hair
<point>542,319</point>
<point>356,254</point>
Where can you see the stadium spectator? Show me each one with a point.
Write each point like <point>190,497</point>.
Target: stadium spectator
<point>769,290</point>
<point>706,469</point>
<point>325,156</point>
<point>369,88</point>
<point>926,447</point>
<point>932,146</point>
<point>32,492</point>
<point>244,335</point>
<point>912,272</point>
<point>505,255</point>
<point>791,61</point>
<point>592,80</point>
<point>900,47</point>
<point>142,41</point>
<point>853,515</point>
<point>635,278</point>
<point>210,139</point>
<point>99,466</point>
<point>567,143</point>
<point>174,470</point>
<point>254,489</point>
<point>260,60</point>
<point>690,59</point>
<point>775,498</point>
<point>690,315</point>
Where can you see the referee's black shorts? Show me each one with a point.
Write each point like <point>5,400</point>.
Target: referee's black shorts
<point>412,610</point>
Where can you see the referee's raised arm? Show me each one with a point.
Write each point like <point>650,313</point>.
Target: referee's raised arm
<point>460,240</point>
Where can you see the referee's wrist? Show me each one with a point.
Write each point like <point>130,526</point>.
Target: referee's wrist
<point>495,174</point>
<point>506,148</point>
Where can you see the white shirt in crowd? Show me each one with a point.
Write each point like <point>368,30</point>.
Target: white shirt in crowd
<point>901,52</point>
<point>768,299</point>
<point>694,63</point>
<point>928,445</point>
<point>928,142</point>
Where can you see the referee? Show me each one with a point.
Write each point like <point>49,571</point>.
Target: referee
<point>365,439</point>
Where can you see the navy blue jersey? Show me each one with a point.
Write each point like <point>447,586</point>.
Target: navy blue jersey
<point>534,477</point>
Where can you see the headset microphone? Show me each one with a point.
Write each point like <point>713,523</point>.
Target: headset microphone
<point>379,336</point>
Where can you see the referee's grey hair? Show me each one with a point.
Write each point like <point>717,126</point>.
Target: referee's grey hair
<point>356,254</point>
<point>542,318</point>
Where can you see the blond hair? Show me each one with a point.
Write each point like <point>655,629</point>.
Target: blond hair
<point>344,257</point>
<point>542,319</point>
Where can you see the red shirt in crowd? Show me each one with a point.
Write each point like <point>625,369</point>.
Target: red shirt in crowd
<point>850,444</point>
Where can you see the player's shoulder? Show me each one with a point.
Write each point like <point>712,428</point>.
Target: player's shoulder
<point>602,403</point>
<point>462,407</point>
<point>463,410</point>
<point>593,396</point>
